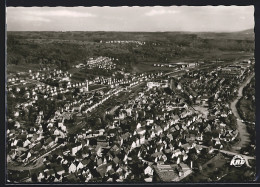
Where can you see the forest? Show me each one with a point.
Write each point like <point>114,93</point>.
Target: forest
<point>64,49</point>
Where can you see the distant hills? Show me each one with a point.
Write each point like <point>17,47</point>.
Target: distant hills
<point>248,31</point>
<point>248,34</point>
<point>142,36</point>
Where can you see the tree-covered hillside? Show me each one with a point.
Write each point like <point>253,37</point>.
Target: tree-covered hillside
<point>67,48</point>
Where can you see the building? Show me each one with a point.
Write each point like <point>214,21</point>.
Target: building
<point>153,84</point>
<point>231,71</point>
<point>171,173</point>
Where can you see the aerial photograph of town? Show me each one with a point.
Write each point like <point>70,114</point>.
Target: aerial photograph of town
<point>130,94</point>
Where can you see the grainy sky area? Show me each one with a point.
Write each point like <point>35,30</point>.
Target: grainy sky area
<point>174,18</point>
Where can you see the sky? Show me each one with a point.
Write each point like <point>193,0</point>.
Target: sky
<point>148,19</point>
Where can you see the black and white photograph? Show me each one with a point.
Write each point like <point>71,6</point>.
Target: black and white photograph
<point>130,94</point>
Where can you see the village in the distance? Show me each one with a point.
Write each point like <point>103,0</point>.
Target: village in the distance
<point>129,110</point>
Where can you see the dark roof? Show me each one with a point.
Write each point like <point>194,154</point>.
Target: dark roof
<point>105,149</point>
<point>166,173</point>
<point>49,140</point>
<point>59,168</point>
<point>102,169</point>
<point>37,147</point>
<point>50,172</point>
<point>99,161</point>
<point>71,177</point>
<point>116,160</point>
<point>85,162</point>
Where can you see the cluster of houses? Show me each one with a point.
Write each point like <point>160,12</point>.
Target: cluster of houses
<point>107,151</point>
<point>113,153</point>
<point>101,62</point>
<point>164,65</point>
<point>27,143</point>
<point>214,93</point>
<point>178,64</point>
<point>161,84</point>
<point>231,71</point>
<point>83,105</point>
<point>154,136</point>
<point>14,79</point>
<point>55,75</point>
<point>236,71</point>
<point>124,42</point>
<point>46,90</point>
<point>127,81</point>
<point>49,84</point>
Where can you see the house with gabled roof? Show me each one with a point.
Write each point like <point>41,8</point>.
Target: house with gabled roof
<point>75,149</point>
<point>72,168</point>
<point>158,130</point>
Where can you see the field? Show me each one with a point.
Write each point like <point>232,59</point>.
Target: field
<point>145,67</point>
<point>11,68</point>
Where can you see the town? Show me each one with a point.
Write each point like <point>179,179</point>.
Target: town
<point>139,127</point>
<point>130,94</point>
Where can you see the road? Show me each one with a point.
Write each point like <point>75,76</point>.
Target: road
<point>173,72</point>
<point>37,164</point>
<point>97,89</point>
<point>243,134</point>
<point>189,69</point>
<point>113,110</point>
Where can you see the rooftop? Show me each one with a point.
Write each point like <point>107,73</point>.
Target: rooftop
<point>166,173</point>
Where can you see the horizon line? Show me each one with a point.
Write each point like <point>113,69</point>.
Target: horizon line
<point>138,31</point>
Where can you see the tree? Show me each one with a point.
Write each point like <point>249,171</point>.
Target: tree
<point>98,121</point>
<point>210,165</point>
<point>109,117</point>
<point>22,91</point>
<point>194,156</point>
<point>34,178</point>
<point>233,121</point>
<point>215,133</point>
<point>76,91</point>
<point>59,96</point>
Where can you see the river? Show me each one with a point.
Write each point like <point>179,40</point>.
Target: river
<point>241,127</point>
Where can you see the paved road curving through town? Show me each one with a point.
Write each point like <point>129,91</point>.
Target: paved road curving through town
<point>241,126</point>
